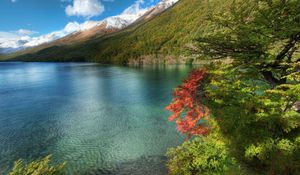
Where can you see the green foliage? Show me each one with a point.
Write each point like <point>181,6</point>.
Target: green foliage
<point>203,155</point>
<point>254,96</point>
<point>207,155</point>
<point>260,122</point>
<point>40,167</point>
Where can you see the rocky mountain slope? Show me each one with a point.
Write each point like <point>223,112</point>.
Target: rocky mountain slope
<point>75,32</point>
<point>155,37</point>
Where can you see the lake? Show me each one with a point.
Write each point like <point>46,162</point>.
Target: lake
<point>100,119</point>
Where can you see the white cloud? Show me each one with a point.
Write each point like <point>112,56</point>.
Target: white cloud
<point>7,39</point>
<point>23,38</point>
<point>85,8</point>
<point>26,32</point>
<point>15,39</point>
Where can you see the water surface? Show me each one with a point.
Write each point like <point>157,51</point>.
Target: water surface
<point>100,119</point>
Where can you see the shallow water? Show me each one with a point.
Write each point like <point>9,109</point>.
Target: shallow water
<point>100,119</point>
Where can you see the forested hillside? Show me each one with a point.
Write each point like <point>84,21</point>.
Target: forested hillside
<point>161,39</point>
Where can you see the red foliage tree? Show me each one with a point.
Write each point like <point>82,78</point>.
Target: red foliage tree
<point>190,114</point>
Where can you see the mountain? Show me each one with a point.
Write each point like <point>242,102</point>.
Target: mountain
<point>75,32</point>
<point>7,50</point>
<point>159,35</point>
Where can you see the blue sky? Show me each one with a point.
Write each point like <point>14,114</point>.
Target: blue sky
<point>45,16</point>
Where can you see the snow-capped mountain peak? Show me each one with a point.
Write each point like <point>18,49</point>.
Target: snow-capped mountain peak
<point>113,23</point>
<point>166,3</point>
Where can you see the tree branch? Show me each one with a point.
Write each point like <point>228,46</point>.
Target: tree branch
<point>291,44</point>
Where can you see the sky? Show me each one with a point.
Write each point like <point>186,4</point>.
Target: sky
<point>27,19</point>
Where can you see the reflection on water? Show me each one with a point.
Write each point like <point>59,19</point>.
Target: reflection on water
<point>100,119</point>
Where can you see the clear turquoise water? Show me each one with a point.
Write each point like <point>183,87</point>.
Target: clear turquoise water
<point>100,119</point>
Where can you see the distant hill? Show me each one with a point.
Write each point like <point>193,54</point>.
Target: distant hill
<point>159,36</point>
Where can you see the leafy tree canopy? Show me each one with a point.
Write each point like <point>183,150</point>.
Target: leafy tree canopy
<point>253,96</point>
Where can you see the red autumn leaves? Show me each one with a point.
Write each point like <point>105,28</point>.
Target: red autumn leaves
<point>190,114</point>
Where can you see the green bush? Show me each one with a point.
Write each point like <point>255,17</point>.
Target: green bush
<point>39,167</point>
<point>259,122</point>
<point>202,155</point>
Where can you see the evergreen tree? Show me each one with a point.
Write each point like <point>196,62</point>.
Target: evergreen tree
<point>254,96</point>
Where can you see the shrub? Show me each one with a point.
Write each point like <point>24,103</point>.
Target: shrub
<point>203,155</point>
<point>39,167</point>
